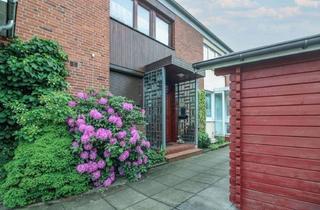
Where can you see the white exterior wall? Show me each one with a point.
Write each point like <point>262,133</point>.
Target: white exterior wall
<point>212,84</point>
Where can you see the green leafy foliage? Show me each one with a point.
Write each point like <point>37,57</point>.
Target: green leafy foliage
<point>202,111</point>
<point>42,170</point>
<point>156,156</point>
<point>27,70</point>
<point>52,110</point>
<point>220,142</point>
<point>204,140</point>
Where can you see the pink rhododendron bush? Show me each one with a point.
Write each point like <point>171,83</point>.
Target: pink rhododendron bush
<point>106,137</point>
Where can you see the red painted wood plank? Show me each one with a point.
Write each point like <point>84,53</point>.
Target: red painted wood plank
<point>282,191</point>
<point>282,80</point>
<point>298,184</point>
<point>306,164</point>
<point>282,70</point>
<point>282,171</point>
<point>282,90</point>
<point>282,141</point>
<point>279,200</point>
<point>305,153</point>
<point>304,99</point>
<point>282,110</point>
<point>282,120</point>
<point>282,130</point>
<point>251,204</point>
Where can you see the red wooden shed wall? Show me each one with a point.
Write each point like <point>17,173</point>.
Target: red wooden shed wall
<point>275,134</point>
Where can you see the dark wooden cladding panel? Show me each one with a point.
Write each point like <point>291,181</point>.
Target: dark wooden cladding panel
<point>126,85</point>
<point>132,49</point>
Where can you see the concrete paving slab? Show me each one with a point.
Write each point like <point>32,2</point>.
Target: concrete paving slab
<point>205,178</point>
<point>191,186</point>
<point>148,187</point>
<point>124,198</point>
<point>170,180</point>
<point>172,197</point>
<point>149,204</point>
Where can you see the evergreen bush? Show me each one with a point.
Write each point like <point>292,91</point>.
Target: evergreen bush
<point>27,70</point>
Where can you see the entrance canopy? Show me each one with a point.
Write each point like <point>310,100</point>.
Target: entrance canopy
<point>177,70</point>
<point>170,101</point>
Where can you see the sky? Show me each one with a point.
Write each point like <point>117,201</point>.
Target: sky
<point>245,24</point>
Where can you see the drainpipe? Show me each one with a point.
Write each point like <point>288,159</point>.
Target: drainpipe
<point>12,11</point>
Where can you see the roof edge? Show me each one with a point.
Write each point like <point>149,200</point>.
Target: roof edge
<point>177,6</point>
<point>296,46</point>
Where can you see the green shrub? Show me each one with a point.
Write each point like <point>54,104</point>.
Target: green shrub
<point>27,69</point>
<point>156,156</point>
<point>42,170</point>
<point>204,141</point>
<point>52,110</point>
<point>202,111</point>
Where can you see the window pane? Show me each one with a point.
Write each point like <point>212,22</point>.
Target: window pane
<point>205,52</point>
<point>218,114</point>
<point>143,20</point>
<point>208,105</point>
<point>122,10</point>
<point>162,31</point>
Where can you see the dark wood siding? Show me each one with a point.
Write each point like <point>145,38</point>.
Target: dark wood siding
<point>133,50</point>
<point>275,135</point>
<point>126,85</point>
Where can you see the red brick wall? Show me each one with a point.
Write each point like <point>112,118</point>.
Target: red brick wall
<point>80,26</point>
<point>188,44</point>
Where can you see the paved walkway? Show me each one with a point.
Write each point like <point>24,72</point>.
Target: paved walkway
<point>197,183</point>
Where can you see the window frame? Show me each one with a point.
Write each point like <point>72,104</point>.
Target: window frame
<point>139,4</point>
<point>169,29</point>
<point>206,52</point>
<point>154,14</point>
<point>133,14</point>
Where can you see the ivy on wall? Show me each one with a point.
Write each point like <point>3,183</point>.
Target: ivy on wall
<point>27,70</point>
<point>202,111</point>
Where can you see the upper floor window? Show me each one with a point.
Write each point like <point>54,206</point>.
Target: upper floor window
<point>209,53</point>
<point>143,20</point>
<point>122,10</point>
<point>162,31</point>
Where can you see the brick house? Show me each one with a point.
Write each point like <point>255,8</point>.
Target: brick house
<point>141,49</point>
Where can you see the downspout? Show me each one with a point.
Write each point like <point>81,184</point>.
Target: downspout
<point>8,26</point>
<point>10,23</point>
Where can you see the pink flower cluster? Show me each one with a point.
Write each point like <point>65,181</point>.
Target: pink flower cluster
<point>127,106</point>
<point>116,120</point>
<point>102,135</point>
<point>95,114</point>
